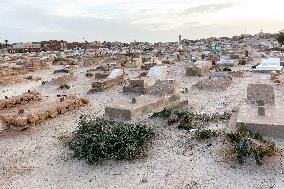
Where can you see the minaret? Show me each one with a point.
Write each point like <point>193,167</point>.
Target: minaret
<point>179,39</point>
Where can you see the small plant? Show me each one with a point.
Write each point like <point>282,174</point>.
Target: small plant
<point>100,139</point>
<point>247,144</point>
<point>166,113</point>
<point>89,74</point>
<point>205,134</point>
<point>225,116</point>
<point>185,126</point>
<point>64,86</point>
<point>188,120</point>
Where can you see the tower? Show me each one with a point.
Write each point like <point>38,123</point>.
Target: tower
<point>179,39</point>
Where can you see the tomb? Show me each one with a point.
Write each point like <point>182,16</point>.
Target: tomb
<point>214,83</point>
<point>27,116</point>
<point>256,92</point>
<point>261,113</point>
<point>199,69</point>
<point>225,61</point>
<point>158,72</point>
<point>134,62</point>
<point>268,65</point>
<point>144,84</point>
<point>149,64</point>
<point>25,98</point>
<point>114,78</point>
<point>163,94</point>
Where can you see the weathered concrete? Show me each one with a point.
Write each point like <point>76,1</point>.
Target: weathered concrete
<point>158,72</point>
<point>115,77</point>
<point>141,86</point>
<point>256,92</point>
<point>198,69</point>
<point>272,124</point>
<point>145,104</point>
<point>164,93</point>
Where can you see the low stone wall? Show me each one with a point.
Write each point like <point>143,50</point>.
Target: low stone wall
<point>31,116</point>
<point>20,100</point>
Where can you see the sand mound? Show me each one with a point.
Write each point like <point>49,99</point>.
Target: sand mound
<point>214,83</point>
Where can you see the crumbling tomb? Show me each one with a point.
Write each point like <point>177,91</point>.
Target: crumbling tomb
<point>163,93</point>
<point>31,108</point>
<point>143,85</point>
<point>115,77</point>
<point>261,113</point>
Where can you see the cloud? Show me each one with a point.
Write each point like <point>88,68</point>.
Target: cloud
<point>126,20</point>
<point>207,8</point>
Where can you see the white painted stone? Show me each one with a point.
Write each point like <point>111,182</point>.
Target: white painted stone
<point>270,64</point>
<point>158,72</point>
<point>115,74</point>
<point>225,60</point>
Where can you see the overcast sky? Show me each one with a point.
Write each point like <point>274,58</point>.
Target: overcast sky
<point>141,20</point>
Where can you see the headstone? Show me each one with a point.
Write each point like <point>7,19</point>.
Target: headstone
<point>261,111</point>
<point>270,64</point>
<point>257,92</point>
<point>199,69</point>
<point>116,74</point>
<point>219,74</point>
<point>158,72</point>
<point>164,88</point>
<point>225,61</point>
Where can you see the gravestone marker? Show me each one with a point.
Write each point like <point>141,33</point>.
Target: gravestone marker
<point>258,92</point>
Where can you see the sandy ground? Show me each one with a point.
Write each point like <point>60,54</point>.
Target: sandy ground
<point>36,158</point>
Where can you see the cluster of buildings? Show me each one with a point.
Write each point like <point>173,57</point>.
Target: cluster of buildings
<point>51,45</point>
<point>192,50</point>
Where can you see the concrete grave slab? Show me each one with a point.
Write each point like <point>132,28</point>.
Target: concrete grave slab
<point>219,74</point>
<point>272,124</point>
<point>158,72</point>
<point>144,104</point>
<point>256,92</point>
<point>116,73</point>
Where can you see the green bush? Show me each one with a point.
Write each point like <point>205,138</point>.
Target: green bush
<point>99,139</point>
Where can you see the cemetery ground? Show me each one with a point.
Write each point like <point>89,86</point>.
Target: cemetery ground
<point>38,158</point>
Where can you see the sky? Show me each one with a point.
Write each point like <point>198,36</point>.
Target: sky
<point>140,20</point>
